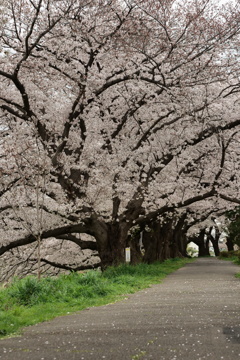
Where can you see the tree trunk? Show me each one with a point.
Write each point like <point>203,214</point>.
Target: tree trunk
<point>215,246</point>
<point>111,242</point>
<point>168,246</point>
<point>152,242</point>
<point>162,242</point>
<point>179,241</point>
<point>203,250</point>
<point>230,244</point>
<point>112,237</point>
<point>134,244</point>
<point>214,240</point>
<point>203,246</point>
<point>165,241</point>
<point>179,245</point>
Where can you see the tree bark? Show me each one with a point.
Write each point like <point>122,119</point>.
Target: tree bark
<point>153,244</point>
<point>111,242</point>
<point>164,241</point>
<point>215,246</point>
<point>134,244</point>
<point>203,246</point>
<point>179,248</point>
<point>214,239</point>
<point>230,244</point>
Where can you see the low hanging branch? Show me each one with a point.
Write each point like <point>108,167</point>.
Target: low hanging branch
<point>68,267</point>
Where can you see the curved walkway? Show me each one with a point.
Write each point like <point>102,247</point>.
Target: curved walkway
<point>193,314</point>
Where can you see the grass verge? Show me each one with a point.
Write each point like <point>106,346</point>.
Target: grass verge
<point>233,256</point>
<point>29,301</point>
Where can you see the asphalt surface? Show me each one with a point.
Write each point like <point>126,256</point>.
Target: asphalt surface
<point>193,314</point>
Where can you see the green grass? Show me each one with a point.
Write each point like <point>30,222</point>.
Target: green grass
<point>29,301</point>
<point>233,256</point>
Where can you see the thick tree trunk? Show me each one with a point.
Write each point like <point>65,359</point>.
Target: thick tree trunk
<point>215,246</point>
<point>230,244</point>
<point>179,245</point>
<point>203,250</point>
<point>214,240</point>
<point>111,242</point>
<point>153,244</point>
<point>164,241</point>
<point>136,255</point>
<point>179,242</point>
<point>112,237</point>
<point>203,245</point>
<point>168,246</point>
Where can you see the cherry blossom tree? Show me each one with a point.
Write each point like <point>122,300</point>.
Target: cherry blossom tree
<point>132,107</point>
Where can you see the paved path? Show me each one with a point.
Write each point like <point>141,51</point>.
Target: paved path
<point>194,314</point>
